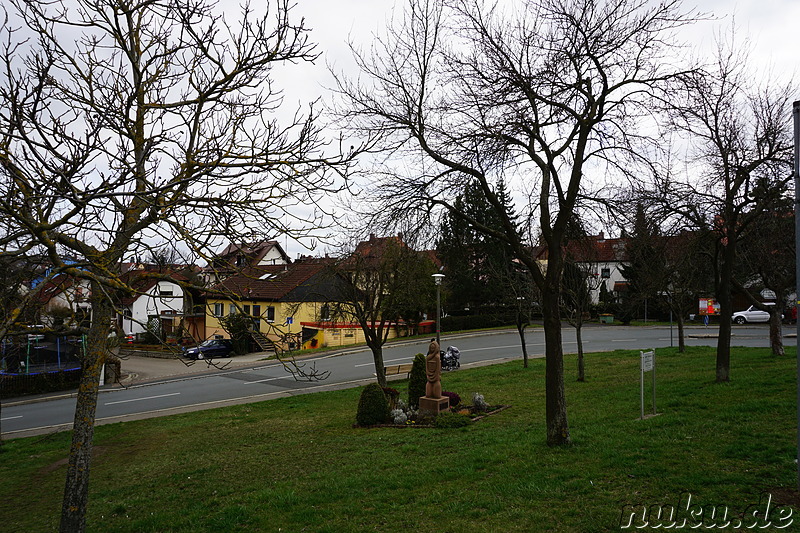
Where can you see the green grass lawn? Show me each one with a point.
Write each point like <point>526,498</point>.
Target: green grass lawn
<point>297,464</point>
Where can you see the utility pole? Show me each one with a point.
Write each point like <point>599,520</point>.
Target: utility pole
<point>796,117</point>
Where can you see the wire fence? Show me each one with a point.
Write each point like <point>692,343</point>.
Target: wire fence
<point>39,364</point>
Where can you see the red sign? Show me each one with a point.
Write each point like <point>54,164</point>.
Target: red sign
<point>708,306</point>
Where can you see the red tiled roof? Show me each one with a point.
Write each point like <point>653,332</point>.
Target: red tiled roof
<point>274,282</point>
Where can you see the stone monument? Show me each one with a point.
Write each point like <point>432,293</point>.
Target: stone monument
<point>433,402</point>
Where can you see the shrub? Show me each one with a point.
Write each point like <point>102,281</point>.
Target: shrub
<point>455,399</point>
<point>449,419</point>
<point>373,408</point>
<point>417,380</point>
<point>237,325</point>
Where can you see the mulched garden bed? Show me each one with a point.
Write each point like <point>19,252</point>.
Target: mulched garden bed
<point>475,416</point>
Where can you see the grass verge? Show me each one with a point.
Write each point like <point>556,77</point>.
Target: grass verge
<point>297,464</point>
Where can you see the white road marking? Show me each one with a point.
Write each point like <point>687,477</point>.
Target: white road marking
<point>140,399</point>
<point>385,361</point>
<point>262,380</point>
<point>624,340</point>
<point>10,418</point>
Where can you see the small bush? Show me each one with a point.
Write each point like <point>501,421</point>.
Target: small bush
<point>398,416</point>
<point>455,399</point>
<point>478,403</point>
<point>417,381</point>
<point>373,407</point>
<point>449,419</point>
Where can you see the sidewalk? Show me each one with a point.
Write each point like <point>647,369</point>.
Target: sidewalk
<point>136,369</point>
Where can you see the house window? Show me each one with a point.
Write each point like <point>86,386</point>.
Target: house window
<point>256,318</point>
<point>219,309</point>
<point>270,314</point>
<point>605,273</point>
<point>165,290</point>
<point>325,312</point>
<point>232,309</point>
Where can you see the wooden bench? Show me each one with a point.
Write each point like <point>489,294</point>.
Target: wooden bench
<point>397,369</point>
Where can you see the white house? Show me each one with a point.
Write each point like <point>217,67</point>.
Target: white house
<point>160,299</point>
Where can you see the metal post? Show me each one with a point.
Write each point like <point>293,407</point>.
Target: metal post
<point>641,386</point>
<point>437,278</point>
<point>796,116</point>
<point>654,379</point>
<point>438,314</point>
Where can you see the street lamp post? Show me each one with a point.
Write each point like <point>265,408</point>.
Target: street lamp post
<point>437,278</point>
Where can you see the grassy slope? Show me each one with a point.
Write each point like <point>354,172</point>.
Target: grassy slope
<point>297,464</point>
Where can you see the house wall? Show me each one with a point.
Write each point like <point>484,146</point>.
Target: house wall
<point>273,257</point>
<point>73,298</point>
<point>615,277</point>
<point>152,303</point>
<point>299,312</point>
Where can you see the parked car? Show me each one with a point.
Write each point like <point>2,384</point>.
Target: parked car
<point>209,349</point>
<point>751,314</point>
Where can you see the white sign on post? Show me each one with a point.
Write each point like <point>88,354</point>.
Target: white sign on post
<point>647,361</point>
<point>647,364</point>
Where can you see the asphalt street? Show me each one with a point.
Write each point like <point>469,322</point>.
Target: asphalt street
<point>162,387</point>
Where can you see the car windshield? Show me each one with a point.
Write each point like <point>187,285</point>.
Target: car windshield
<point>209,342</point>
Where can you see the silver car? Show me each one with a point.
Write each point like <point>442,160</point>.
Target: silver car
<point>751,314</point>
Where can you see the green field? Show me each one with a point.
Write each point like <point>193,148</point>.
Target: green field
<point>297,464</point>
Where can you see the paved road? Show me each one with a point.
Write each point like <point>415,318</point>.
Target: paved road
<point>266,380</point>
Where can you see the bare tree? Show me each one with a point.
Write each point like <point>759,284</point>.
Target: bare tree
<point>389,281</point>
<point>545,92</point>
<point>767,260</point>
<point>127,124</point>
<point>580,280</point>
<point>740,133</point>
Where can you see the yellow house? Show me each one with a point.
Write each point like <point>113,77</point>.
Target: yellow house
<point>285,301</point>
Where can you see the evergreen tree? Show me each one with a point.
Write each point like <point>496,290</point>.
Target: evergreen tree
<point>477,265</point>
<point>644,269</point>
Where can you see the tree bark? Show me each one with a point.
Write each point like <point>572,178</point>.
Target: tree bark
<point>776,331</point>
<point>725,310</point>
<point>521,331</point>
<point>556,403</point>
<point>76,490</point>
<point>377,357</point>
<point>579,338</point>
<point>681,334</point>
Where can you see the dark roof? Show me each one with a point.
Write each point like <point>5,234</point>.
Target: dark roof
<point>306,280</point>
<point>591,249</point>
<point>252,253</point>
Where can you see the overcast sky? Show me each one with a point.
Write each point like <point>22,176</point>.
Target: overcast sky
<point>772,25</point>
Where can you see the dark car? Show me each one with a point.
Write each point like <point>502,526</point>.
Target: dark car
<point>209,349</point>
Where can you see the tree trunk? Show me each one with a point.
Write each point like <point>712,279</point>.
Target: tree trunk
<point>76,490</point>
<point>579,338</point>
<point>725,314</point>
<point>556,403</point>
<point>776,332</point>
<point>681,334</point>
<point>521,331</point>
<point>377,356</point>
